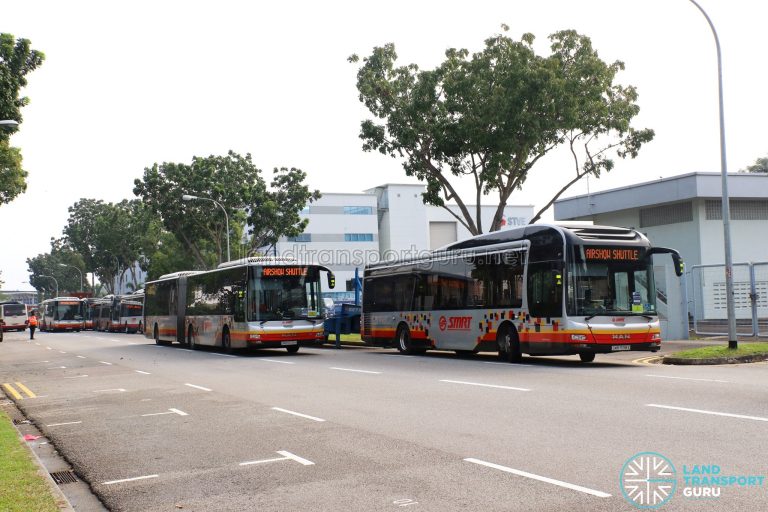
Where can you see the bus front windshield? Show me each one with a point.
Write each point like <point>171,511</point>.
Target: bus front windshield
<point>68,311</point>
<point>284,293</point>
<point>611,286</point>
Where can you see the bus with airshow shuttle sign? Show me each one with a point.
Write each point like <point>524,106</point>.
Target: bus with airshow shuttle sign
<point>538,290</point>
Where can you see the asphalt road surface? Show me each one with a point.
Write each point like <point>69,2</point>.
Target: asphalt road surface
<point>154,428</point>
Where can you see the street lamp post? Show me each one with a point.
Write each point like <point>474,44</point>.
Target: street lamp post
<point>54,282</point>
<point>187,197</point>
<point>732,336</point>
<point>80,271</point>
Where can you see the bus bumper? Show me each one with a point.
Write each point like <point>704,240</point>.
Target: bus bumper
<point>566,349</point>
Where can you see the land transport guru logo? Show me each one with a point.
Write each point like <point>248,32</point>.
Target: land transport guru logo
<point>648,480</point>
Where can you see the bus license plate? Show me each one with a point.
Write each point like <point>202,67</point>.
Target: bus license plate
<point>617,348</point>
<point>288,343</point>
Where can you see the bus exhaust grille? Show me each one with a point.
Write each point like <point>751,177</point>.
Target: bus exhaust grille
<point>64,477</point>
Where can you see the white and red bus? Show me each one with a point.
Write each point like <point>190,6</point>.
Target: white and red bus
<point>131,311</point>
<point>13,315</point>
<point>538,290</point>
<point>61,314</point>
<point>253,302</point>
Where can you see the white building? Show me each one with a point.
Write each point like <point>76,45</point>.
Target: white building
<point>685,213</point>
<point>347,231</point>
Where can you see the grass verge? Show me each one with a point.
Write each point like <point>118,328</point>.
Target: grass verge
<point>720,351</point>
<point>21,487</point>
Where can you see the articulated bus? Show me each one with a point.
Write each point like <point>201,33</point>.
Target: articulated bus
<point>538,290</point>
<point>254,302</point>
<point>61,314</point>
<point>13,315</point>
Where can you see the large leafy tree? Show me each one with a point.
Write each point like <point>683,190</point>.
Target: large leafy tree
<point>112,238</point>
<point>49,264</point>
<point>491,116</point>
<point>17,59</point>
<point>238,186</point>
<point>760,166</point>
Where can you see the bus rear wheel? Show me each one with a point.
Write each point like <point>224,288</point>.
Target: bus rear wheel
<point>292,349</point>
<point>587,357</point>
<point>509,344</point>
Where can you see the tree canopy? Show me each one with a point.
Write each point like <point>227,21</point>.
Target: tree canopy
<point>49,264</point>
<point>17,59</point>
<point>238,186</point>
<point>760,166</point>
<point>491,116</point>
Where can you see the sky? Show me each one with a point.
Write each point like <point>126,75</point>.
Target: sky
<point>128,84</point>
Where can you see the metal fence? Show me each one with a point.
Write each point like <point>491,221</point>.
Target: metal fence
<point>708,299</point>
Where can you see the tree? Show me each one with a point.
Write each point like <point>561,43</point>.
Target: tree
<point>760,166</point>
<point>48,264</point>
<point>235,183</point>
<point>494,115</point>
<point>17,59</point>
<point>112,238</point>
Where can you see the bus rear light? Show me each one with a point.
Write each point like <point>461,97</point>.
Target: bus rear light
<point>578,337</point>
<point>656,336</point>
<point>254,337</point>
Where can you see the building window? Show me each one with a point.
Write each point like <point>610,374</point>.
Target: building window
<point>740,209</point>
<point>304,237</point>
<point>358,210</point>
<point>666,214</point>
<point>358,237</point>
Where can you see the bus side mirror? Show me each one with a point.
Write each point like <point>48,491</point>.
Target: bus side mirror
<point>679,264</point>
<point>331,280</point>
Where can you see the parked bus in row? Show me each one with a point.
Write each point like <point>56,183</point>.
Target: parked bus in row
<point>61,314</point>
<point>90,310</point>
<point>254,302</point>
<point>131,313</point>
<point>539,290</point>
<point>13,315</point>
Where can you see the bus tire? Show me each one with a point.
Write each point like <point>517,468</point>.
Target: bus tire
<point>191,338</point>
<point>226,341</point>
<point>587,357</point>
<point>403,340</point>
<point>292,349</point>
<point>509,344</point>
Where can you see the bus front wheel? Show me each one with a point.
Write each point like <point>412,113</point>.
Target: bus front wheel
<point>509,344</point>
<point>403,339</point>
<point>587,357</point>
<point>292,349</point>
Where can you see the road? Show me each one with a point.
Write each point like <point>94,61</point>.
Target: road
<point>155,428</point>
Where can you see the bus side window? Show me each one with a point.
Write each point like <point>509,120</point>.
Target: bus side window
<point>545,290</point>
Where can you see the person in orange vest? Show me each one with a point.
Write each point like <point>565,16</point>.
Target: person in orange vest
<point>32,324</point>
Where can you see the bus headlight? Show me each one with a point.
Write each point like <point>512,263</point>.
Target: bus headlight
<point>578,337</point>
<point>656,336</point>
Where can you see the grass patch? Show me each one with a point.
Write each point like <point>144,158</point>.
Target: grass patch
<point>21,486</point>
<point>745,349</point>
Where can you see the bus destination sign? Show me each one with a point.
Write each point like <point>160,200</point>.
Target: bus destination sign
<point>284,271</point>
<point>612,254</point>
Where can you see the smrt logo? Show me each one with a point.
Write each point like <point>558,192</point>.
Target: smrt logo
<point>455,323</point>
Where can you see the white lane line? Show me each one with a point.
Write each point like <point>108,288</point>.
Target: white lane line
<point>37,344</point>
<point>141,372</point>
<point>112,339</point>
<point>285,456</point>
<point>297,414</point>
<point>40,362</point>
<point>82,357</point>
<point>485,385</point>
<point>545,479</point>
<point>356,371</point>
<point>222,355</point>
<point>515,365</point>
<point>198,387</point>
<point>60,424</point>
<point>687,378</point>
<point>276,361</point>
<point>184,349</point>
<point>76,377</point>
<point>117,390</point>
<point>62,352</point>
<point>129,479</point>
<point>57,368</point>
<point>170,411</point>
<point>48,348</point>
<point>713,413</point>
<point>106,363</point>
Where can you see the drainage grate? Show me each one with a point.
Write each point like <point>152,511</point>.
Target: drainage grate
<point>64,477</point>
